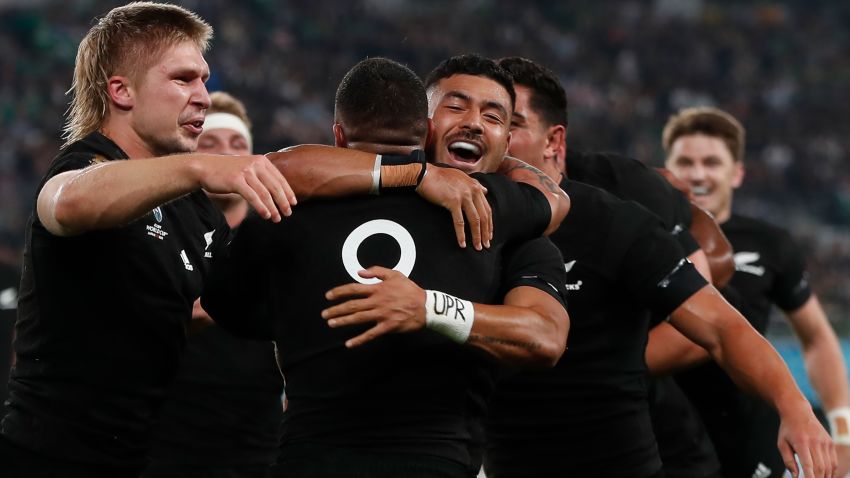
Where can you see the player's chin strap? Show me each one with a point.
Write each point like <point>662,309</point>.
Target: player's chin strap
<point>839,424</point>
<point>448,315</point>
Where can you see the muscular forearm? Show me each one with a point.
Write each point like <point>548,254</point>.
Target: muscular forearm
<point>114,193</point>
<point>828,374</point>
<point>528,330</point>
<point>522,172</point>
<point>668,351</point>
<point>827,371</point>
<point>325,171</point>
<point>821,353</point>
<point>749,360</point>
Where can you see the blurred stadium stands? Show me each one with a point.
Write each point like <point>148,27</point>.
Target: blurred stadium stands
<point>782,67</point>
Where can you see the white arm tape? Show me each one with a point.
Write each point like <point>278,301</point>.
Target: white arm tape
<point>376,176</point>
<point>448,315</point>
<point>839,425</point>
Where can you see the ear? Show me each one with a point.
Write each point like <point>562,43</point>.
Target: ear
<point>556,144</point>
<point>430,138</point>
<point>339,136</point>
<point>121,92</point>
<point>738,174</point>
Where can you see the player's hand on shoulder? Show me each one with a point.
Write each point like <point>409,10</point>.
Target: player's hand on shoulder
<point>800,433</point>
<point>464,197</point>
<point>252,177</point>
<point>394,305</point>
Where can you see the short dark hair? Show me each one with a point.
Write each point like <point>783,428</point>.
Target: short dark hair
<point>548,98</point>
<point>382,101</point>
<point>710,122</point>
<point>474,65</point>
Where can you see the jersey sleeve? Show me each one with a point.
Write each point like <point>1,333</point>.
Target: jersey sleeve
<point>70,161</point>
<point>682,220</point>
<point>655,269</point>
<point>790,290</point>
<point>520,211</point>
<point>237,294</point>
<point>536,263</point>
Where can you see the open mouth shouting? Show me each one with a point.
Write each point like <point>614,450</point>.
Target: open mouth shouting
<point>465,153</point>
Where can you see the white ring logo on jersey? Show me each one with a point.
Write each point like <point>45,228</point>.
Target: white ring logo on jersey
<point>369,229</point>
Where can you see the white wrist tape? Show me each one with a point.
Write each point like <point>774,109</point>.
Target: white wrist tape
<point>448,315</point>
<point>376,176</point>
<point>839,425</point>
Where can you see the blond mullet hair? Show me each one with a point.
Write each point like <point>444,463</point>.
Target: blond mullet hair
<point>125,41</point>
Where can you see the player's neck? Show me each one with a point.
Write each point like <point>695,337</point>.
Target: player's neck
<point>126,139</point>
<point>723,214</point>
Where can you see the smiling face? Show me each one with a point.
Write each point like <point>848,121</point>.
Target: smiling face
<point>707,165</point>
<point>170,100</point>
<point>472,116</point>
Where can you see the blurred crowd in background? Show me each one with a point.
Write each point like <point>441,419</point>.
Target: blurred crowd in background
<point>783,68</point>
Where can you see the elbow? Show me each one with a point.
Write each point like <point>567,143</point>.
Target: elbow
<point>552,344</point>
<point>560,206</point>
<point>59,211</point>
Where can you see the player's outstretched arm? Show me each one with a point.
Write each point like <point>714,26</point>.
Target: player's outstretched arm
<point>326,171</point>
<point>115,193</point>
<point>827,372</point>
<point>529,330</point>
<point>668,351</point>
<point>522,172</point>
<point>750,360</point>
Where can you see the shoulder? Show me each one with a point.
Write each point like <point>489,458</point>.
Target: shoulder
<point>743,225</point>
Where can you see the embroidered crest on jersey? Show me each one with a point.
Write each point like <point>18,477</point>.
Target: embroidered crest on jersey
<point>156,230</point>
<point>744,262</point>
<point>208,240</point>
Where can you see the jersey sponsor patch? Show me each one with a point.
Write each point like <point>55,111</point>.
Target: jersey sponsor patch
<point>745,260</point>
<point>575,286</point>
<point>185,258</point>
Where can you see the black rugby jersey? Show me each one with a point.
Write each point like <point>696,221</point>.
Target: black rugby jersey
<point>589,415</point>
<point>101,323</point>
<point>224,407</point>
<point>631,180</point>
<point>769,268</point>
<point>417,393</point>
